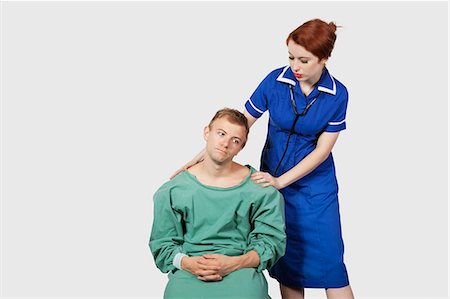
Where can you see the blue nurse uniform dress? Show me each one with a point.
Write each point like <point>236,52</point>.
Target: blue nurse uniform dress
<point>315,249</point>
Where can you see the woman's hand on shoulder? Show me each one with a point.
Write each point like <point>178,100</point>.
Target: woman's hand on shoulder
<point>200,156</point>
<point>265,179</point>
<point>183,168</point>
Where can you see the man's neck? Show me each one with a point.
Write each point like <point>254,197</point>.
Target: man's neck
<point>214,170</point>
<point>211,173</point>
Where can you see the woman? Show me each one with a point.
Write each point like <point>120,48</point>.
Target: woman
<point>307,108</point>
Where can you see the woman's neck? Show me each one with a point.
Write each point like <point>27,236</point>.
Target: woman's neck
<point>308,86</point>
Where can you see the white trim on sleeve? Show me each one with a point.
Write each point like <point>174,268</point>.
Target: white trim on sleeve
<point>335,123</point>
<point>177,260</point>
<point>254,107</point>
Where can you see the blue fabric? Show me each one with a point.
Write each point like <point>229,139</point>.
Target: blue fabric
<point>315,249</point>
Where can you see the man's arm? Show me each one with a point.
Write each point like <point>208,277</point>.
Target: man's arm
<point>268,237</point>
<point>267,241</point>
<point>166,238</point>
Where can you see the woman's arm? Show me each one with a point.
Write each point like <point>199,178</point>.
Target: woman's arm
<point>198,158</point>
<point>323,149</point>
<point>250,119</point>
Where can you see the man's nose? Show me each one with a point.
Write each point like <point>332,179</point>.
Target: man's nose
<point>224,142</point>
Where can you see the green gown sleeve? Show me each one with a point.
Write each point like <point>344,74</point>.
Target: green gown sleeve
<point>166,238</point>
<point>268,237</point>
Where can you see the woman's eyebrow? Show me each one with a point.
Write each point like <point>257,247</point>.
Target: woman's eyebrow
<point>301,57</point>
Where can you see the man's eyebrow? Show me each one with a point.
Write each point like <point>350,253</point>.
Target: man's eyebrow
<point>220,129</point>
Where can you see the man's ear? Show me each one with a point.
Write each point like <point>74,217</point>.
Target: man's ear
<point>206,133</point>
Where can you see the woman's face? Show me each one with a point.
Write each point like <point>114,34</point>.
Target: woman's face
<point>306,66</point>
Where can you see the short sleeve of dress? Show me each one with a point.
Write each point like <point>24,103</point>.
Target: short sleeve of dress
<point>257,104</point>
<point>337,122</point>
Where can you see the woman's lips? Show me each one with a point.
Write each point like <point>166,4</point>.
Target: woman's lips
<point>298,75</point>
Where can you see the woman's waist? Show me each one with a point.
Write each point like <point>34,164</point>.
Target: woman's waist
<point>295,144</point>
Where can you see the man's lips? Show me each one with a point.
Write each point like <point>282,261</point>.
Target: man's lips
<point>222,151</point>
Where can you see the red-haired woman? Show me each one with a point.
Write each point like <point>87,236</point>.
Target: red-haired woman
<point>307,108</point>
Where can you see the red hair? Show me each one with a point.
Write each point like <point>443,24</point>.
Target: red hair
<point>316,37</point>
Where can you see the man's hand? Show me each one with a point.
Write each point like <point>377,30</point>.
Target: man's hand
<point>214,267</point>
<point>221,264</point>
<point>199,266</point>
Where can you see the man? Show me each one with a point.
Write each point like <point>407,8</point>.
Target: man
<point>214,229</point>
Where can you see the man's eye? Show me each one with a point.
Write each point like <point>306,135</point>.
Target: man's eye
<point>304,61</point>
<point>221,133</point>
<point>236,141</point>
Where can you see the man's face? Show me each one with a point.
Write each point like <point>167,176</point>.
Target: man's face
<point>224,140</point>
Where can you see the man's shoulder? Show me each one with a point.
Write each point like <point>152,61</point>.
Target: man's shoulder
<point>178,181</point>
<point>260,190</point>
<point>263,191</point>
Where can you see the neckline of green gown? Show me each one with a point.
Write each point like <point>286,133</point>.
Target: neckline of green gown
<point>243,182</point>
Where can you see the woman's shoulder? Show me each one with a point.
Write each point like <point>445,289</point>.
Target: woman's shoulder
<point>334,88</point>
<point>275,73</point>
<point>340,87</point>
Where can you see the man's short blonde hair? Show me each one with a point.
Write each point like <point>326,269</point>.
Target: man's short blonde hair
<point>235,117</point>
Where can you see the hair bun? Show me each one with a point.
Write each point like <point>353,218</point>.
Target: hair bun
<point>332,26</point>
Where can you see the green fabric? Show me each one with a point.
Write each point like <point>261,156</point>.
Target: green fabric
<point>196,219</point>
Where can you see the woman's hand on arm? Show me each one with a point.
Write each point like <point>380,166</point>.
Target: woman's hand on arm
<point>323,149</point>
<point>198,158</point>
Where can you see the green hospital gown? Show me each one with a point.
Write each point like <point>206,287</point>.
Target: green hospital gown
<point>196,219</point>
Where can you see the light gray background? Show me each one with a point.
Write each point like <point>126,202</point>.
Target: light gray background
<point>102,101</point>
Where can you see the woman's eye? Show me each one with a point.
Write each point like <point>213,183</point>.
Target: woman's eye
<point>236,141</point>
<point>304,61</point>
<point>291,58</point>
<point>221,133</point>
